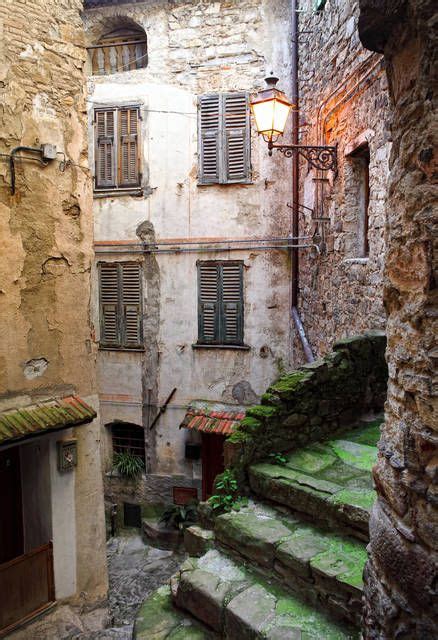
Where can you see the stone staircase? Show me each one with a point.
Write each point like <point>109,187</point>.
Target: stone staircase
<point>289,565</point>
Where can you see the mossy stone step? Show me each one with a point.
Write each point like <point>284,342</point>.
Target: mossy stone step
<point>158,619</point>
<point>323,567</point>
<point>237,603</point>
<point>330,481</point>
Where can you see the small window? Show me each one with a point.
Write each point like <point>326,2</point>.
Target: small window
<point>224,138</point>
<point>129,438</point>
<point>117,159</point>
<point>120,50</point>
<point>120,305</point>
<point>361,171</point>
<point>220,303</point>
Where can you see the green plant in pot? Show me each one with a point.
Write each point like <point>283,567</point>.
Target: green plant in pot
<point>177,516</point>
<point>128,465</point>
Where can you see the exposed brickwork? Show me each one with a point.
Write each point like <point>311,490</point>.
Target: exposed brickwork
<point>343,101</point>
<point>402,573</point>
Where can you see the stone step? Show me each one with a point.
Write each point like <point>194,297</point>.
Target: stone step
<point>331,482</point>
<point>239,604</point>
<point>323,567</point>
<point>158,619</point>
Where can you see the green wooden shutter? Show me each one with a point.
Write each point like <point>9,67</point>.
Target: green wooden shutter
<point>131,305</point>
<point>105,148</point>
<point>109,304</point>
<point>208,303</point>
<point>209,138</point>
<point>128,147</point>
<point>236,138</point>
<point>231,313</point>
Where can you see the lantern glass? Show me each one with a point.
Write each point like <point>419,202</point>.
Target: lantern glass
<point>271,109</point>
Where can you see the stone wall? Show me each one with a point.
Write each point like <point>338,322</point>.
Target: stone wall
<point>344,102</point>
<point>313,402</point>
<point>46,346</point>
<point>401,576</point>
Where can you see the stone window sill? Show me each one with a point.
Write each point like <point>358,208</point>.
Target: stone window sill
<point>141,350</point>
<point>355,261</point>
<point>237,347</point>
<point>117,193</point>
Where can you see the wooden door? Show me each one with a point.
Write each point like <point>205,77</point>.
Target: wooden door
<point>212,461</point>
<point>11,516</point>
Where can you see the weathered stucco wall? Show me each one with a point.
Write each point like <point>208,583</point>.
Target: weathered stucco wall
<point>46,251</point>
<point>344,102</point>
<point>193,48</point>
<point>401,576</point>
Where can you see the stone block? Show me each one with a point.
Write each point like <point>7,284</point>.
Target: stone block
<point>198,541</point>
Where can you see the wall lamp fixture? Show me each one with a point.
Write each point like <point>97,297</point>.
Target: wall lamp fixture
<point>271,109</point>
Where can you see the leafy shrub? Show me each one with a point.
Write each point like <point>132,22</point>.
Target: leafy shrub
<point>128,464</point>
<point>177,516</point>
<point>278,458</point>
<point>226,497</point>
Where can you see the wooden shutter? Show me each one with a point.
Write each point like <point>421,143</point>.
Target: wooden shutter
<point>109,305</point>
<point>231,316</point>
<point>236,135</point>
<point>208,304</point>
<point>131,304</point>
<point>128,147</point>
<point>209,137</point>
<point>105,148</point>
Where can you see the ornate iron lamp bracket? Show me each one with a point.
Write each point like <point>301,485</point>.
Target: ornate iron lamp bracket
<point>323,158</point>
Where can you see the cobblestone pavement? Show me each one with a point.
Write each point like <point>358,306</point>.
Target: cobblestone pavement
<point>135,570</point>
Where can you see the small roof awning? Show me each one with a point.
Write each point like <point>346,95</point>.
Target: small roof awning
<point>45,417</point>
<point>209,417</point>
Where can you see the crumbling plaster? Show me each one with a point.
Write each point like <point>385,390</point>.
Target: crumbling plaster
<point>194,47</point>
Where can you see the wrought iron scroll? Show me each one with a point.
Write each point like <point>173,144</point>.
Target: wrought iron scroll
<point>323,158</point>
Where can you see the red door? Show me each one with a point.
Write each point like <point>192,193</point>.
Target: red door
<point>212,461</point>
<point>11,516</point>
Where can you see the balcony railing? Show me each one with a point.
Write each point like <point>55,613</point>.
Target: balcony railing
<point>26,587</point>
<point>114,57</point>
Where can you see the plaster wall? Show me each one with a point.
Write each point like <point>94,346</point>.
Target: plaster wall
<point>194,48</point>
<point>343,101</point>
<point>46,251</point>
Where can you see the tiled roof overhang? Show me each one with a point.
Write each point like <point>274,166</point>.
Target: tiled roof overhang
<point>213,418</point>
<point>44,417</point>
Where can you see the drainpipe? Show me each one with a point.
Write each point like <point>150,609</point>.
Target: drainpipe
<point>296,190</point>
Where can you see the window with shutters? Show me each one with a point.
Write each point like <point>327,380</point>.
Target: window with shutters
<point>220,303</point>
<point>120,305</point>
<point>117,159</point>
<point>224,138</point>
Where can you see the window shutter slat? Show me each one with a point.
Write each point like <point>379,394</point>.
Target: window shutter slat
<point>131,303</point>
<point>105,148</point>
<point>232,303</point>
<point>236,138</point>
<point>208,283</point>
<point>129,170</point>
<point>209,135</point>
<point>109,294</point>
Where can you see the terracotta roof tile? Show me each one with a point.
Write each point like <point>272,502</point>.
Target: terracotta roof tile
<point>208,419</point>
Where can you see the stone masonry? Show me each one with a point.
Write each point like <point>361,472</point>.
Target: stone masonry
<point>343,101</point>
<point>401,576</point>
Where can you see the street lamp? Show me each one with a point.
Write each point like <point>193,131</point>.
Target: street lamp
<point>271,109</point>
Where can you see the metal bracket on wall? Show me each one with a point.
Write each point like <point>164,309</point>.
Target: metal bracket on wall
<point>323,158</point>
<point>163,408</point>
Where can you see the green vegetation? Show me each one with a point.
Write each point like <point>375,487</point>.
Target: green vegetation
<point>226,497</point>
<point>128,465</point>
<point>177,516</point>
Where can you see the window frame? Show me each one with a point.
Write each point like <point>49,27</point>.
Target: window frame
<point>132,436</point>
<point>222,156</point>
<point>220,312</point>
<point>122,343</point>
<point>118,186</point>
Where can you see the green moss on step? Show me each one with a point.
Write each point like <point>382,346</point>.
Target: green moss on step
<point>290,382</point>
<point>355,497</point>
<point>262,412</point>
<point>250,425</point>
<point>360,456</point>
<point>311,459</point>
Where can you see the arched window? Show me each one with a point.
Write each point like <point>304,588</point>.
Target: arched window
<point>128,437</point>
<point>123,49</point>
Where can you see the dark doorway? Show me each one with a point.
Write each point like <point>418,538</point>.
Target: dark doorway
<point>11,513</point>
<point>212,461</point>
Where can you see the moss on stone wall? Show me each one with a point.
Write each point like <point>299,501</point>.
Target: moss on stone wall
<point>313,402</point>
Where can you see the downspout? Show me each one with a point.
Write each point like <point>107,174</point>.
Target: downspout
<point>296,190</point>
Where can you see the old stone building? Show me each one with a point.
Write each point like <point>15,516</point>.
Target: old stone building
<point>52,535</point>
<point>344,102</point>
